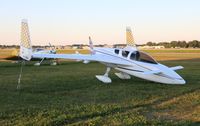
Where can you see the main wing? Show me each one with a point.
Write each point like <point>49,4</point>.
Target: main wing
<point>86,57</point>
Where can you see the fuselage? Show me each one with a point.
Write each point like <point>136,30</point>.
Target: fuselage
<point>139,63</point>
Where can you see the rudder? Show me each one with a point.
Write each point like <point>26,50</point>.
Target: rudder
<point>25,45</point>
<point>129,37</point>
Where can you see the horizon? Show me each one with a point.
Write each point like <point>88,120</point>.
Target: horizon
<point>71,22</point>
<point>87,44</point>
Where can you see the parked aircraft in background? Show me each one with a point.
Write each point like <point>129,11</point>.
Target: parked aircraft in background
<point>45,51</point>
<point>14,57</point>
<point>129,61</point>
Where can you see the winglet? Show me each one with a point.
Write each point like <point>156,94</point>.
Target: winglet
<point>129,37</point>
<point>177,67</point>
<point>25,45</point>
<point>91,45</point>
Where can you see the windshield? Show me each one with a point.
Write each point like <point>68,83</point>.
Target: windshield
<point>143,57</point>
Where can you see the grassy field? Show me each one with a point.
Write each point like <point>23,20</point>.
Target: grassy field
<point>69,94</point>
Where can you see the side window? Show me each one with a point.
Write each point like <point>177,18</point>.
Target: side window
<point>116,51</point>
<point>133,56</point>
<point>125,53</point>
<point>137,55</point>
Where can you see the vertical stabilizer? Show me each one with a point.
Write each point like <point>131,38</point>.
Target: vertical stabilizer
<point>129,37</point>
<point>25,45</point>
<point>91,45</point>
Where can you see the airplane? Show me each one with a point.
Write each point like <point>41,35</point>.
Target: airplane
<point>45,51</point>
<point>14,57</point>
<point>129,61</point>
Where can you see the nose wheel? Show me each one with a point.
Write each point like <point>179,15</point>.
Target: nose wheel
<point>123,76</point>
<point>104,78</point>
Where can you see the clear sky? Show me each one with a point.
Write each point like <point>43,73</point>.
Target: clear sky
<point>72,21</point>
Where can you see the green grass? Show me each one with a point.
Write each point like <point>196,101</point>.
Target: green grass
<point>69,94</point>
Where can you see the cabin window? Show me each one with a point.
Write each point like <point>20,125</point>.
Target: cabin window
<point>125,53</point>
<point>116,51</point>
<point>133,56</point>
<point>137,55</point>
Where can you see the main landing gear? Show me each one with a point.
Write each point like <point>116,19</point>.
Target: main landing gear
<point>38,64</point>
<point>104,78</point>
<point>123,76</point>
<point>52,63</point>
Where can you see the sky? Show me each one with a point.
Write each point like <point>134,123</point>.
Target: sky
<point>64,22</point>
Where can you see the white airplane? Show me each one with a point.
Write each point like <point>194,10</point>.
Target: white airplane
<point>44,51</point>
<point>15,55</point>
<point>129,61</point>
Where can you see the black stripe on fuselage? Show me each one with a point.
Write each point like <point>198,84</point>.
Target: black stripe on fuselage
<point>161,75</point>
<point>130,69</point>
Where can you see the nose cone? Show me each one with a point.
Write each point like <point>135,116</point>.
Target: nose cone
<point>173,76</point>
<point>176,77</point>
<point>183,82</point>
<point>180,81</point>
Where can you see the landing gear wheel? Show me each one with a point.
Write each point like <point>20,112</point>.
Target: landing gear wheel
<point>104,78</point>
<point>37,64</point>
<point>123,76</point>
<point>53,64</point>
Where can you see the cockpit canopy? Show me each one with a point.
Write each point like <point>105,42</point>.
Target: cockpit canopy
<point>136,55</point>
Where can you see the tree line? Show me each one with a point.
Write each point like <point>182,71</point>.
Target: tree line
<point>174,44</point>
<point>17,46</point>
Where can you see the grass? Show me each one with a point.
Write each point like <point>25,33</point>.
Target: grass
<point>173,50</point>
<point>69,94</point>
